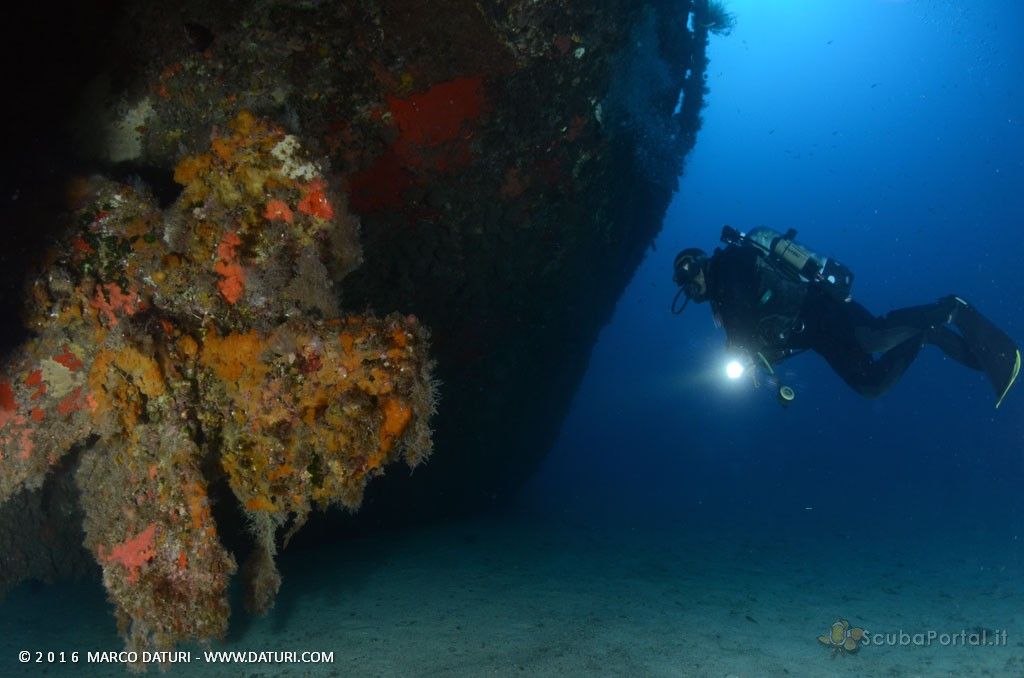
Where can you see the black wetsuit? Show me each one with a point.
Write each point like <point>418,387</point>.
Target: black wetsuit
<point>766,311</point>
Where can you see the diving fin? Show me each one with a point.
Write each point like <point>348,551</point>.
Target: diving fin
<point>996,352</point>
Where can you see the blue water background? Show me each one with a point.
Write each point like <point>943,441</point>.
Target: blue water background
<point>890,135</point>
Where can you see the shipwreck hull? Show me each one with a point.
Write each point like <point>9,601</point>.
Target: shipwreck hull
<point>509,163</point>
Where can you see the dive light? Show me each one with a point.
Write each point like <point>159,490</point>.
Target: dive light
<point>735,368</point>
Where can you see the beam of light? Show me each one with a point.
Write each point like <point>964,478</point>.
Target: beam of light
<point>734,369</point>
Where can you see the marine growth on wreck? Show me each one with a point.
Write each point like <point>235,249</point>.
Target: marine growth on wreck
<point>174,348</point>
<point>345,176</point>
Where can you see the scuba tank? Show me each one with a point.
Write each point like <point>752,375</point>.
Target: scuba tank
<point>798,260</point>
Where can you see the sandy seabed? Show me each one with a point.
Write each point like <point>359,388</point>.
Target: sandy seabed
<point>531,596</point>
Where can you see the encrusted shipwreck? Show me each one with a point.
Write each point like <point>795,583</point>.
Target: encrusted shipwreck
<point>498,168</point>
<point>205,340</point>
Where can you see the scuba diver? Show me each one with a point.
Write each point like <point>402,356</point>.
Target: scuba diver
<point>775,298</point>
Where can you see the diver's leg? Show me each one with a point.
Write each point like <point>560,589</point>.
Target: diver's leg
<point>847,335</point>
<point>872,377</point>
<point>878,335</point>
<point>890,366</point>
<point>879,339</point>
<point>860,370</point>
<point>953,345</point>
<point>921,317</point>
